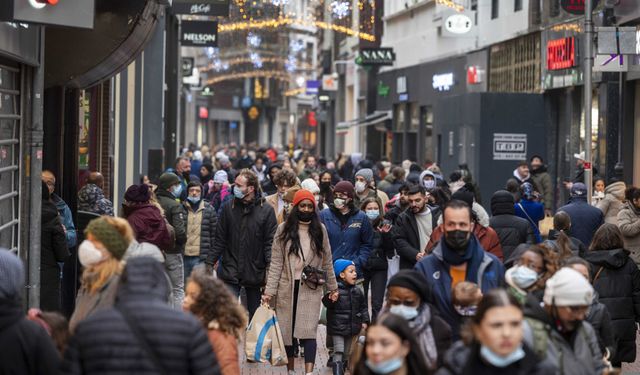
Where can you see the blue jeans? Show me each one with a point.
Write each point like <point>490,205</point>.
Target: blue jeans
<point>189,263</point>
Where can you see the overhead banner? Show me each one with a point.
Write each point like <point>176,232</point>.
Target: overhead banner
<point>199,34</point>
<point>202,7</point>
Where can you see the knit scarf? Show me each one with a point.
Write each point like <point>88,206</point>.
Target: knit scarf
<point>421,325</point>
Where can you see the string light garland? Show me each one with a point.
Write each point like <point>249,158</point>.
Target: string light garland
<point>274,74</point>
<point>218,64</point>
<point>451,4</point>
<point>295,92</point>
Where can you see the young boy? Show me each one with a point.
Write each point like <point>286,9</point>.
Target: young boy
<point>465,298</point>
<point>348,315</point>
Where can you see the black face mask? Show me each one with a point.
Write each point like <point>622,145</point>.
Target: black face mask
<point>325,186</point>
<point>305,217</point>
<point>457,240</point>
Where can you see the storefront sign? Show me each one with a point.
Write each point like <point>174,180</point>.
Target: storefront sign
<point>329,82</point>
<point>561,53</point>
<point>458,23</point>
<point>383,90</point>
<point>199,33</point>
<point>443,82</point>
<point>508,146</point>
<point>475,75</point>
<point>403,97</point>
<point>202,7</point>
<point>576,6</point>
<point>401,85</point>
<point>187,66</point>
<point>70,13</point>
<point>313,87</point>
<point>376,56</point>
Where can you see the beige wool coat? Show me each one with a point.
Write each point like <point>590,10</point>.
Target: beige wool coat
<point>280,285</point>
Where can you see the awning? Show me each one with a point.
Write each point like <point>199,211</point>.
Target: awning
<point>374,118</point>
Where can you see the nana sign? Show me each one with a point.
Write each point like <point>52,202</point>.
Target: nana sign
<point>202,7</point>
<point>199,33</point>
<point>377,56</point>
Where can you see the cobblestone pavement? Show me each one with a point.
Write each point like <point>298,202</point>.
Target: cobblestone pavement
<point>633,368</point>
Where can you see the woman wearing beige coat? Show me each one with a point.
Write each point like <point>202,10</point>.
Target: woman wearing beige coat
<point>612,202</point>
<point>300,241</point>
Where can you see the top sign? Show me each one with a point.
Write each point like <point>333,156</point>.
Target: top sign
<point>377,56</point>
<point>199,33</point>
<point>576,6</point>
<point>202,7</point>
<point>458,23</point>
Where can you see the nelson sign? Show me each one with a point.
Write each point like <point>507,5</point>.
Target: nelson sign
<point>376,56</point>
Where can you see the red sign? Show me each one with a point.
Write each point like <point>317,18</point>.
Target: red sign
<point>474,75</point>
<point>203,113</point>
<point>312,119</point>
<point>561,53</point>
<point>587,166</point>
<point>576,6</point>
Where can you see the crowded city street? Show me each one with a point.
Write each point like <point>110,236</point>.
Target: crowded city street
<point>327,187</point>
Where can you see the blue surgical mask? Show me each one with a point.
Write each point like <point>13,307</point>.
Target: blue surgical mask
<point>238,193</point>
<point>500,361</point>
<point>194,200</point>
<point>177,191</point>
<point>429,184</point>
<point>373,214</point>
<point>386,367</point>
<point>406,312</point>
<point>523,276</point>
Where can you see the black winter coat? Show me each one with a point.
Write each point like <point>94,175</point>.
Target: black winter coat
<point>27,349</point>
<point>382,247</point>
<point>346,316</point>
<point>600,319</point>
<point>243,242</point>
<point>175,215</point>
<point>53,250</point>
<point>104,343</point>
<point>512,230</point>
<point>406,236</point>
<point>618,285</point>
<point>394,213</point>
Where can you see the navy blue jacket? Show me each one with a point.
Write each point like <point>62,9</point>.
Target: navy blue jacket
<point>533,213</point>
<point>436,271</point>
<point>585,219</point>
<point>353,241</point>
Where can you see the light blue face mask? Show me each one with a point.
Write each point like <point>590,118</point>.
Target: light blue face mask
<point>523,277</point>
<point>386,367</point>
<point>406,312</point>
<point>429,184</point>
<point>194,200</point>
<point>372,214</point>
<point>238,193</point>
<point>499,361</point>
<point>177,191</point>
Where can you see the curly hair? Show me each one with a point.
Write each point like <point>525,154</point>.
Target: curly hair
<point>216,304</point>
<point>285,176</point>
<point>551,260</point>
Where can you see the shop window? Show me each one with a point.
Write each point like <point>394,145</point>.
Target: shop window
<point>10,121</point>
<point>495,9</point>
<point>398,124</point>
<point>517,5</point>
<point>427,113</point>
<point>415,118</point>
<point>515,66</point>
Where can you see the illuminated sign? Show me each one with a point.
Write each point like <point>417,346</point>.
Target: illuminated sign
<point>458,24</point>
<point>475,75</point>
<point>561,53</point>
<point>443,82</point>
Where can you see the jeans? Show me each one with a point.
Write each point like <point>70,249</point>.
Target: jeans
<point>189,263</point>
<point>378,281</point>
<point>175,270</point>
<point>253,296</point>
<point>341,347</point>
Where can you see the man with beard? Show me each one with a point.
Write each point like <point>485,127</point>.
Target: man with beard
<point>414,227</point>
<point>542,181</point>
<point>458,258</point>
<point>557,329</point>
<point>399,205</point>
<point>182,169</point>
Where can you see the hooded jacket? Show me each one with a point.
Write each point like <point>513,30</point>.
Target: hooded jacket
<point>353,240</point>
<point>92,199</point>
<point>490,275</point>
<point>581,356</point>
<point>612,202</point>
<point>585,219</point>
<point>148,225</point>
<point>617,281</point>
<point>243,242</point>
<point>105,343</point>
<point>542,181</point>
<point>176,216</point>
<point>629,224</point>
<point>511,229</point>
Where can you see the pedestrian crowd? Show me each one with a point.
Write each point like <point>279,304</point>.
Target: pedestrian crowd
<point>405,267</point>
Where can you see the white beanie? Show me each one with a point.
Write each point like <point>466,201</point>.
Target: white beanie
<point>220,177</point>
<point>310,184</point>
<point>568,288</point>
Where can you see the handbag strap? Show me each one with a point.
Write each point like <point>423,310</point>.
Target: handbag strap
<point>142,340</point>
<point>528,217</point>
<point>597,274</point>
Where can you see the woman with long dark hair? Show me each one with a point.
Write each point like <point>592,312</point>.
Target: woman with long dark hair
<point>616,279</point>
<point>495,344</point>
<point>300,244</point>
<point>390,348</point>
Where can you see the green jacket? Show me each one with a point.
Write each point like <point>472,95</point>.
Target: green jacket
<point>542,181</point>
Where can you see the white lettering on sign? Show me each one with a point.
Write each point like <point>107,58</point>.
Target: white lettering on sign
<point>458,24</point>
<point>638,42</point>
<point>199,38</point>
<point>200,8</point>
<point>507,146</point>
<point>443,82</point>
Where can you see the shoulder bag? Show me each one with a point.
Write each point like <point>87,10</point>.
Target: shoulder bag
<point>312,277</point>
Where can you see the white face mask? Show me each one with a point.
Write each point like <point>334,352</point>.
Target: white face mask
<point>88,254</point>
<point>406,312</point>
<point>360,186</point>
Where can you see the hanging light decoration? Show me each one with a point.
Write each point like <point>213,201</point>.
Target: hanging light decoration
<point>296,45</point>
<point>340,8</point>
<point>254,40</point>
<point>291,65</point>
<point>279,2</point>
<point>256,60</point>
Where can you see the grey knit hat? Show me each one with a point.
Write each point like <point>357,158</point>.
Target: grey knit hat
<point>11,275</point>
<point>366,173</point>
<point>167,180</point>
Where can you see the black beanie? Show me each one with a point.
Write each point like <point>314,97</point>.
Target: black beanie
<point>465,196</point>
<point>502,203</point>
<point>413,280</point>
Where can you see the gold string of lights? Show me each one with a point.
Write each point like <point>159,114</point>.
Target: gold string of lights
<point>295,92</point>
<point>275,74</point>
<point>451,4</point>
<point>247,60</point>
